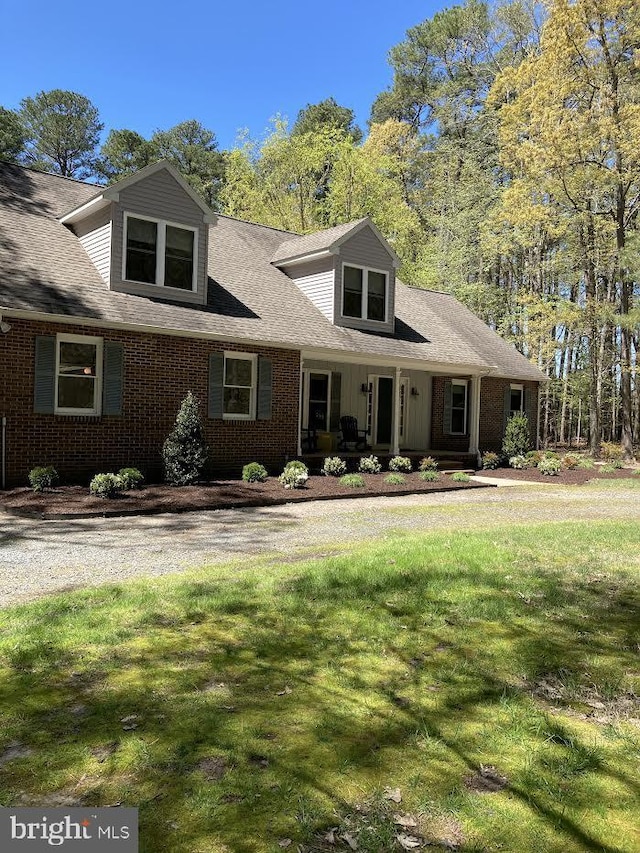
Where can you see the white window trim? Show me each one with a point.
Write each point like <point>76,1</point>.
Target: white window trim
<point>81,339</point>
<point>246,356</point>
<point>307,396</point>
<point>365,293</point>
<point>465,384</point>
<point>161,246</point>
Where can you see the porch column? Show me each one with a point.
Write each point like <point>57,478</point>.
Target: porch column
<point>395,436</point>
<point>300,407</point>
<point>474,426</point>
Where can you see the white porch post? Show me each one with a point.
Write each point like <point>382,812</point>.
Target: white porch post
<point>474,429</point>
<point>395,437</point>
<point>300,407</point>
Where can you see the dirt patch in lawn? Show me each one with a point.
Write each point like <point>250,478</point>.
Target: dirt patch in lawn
<point>76,502</point>
<point>577,477</point>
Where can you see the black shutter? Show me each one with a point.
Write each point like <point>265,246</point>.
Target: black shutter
<point>469,410</point>
<point>112,378</point>
<point>507,406</point>
<point>44,388</point>
<point>265,380</point>
<point>334,410</point>
<point>446,422</point>
<point>216,368</point>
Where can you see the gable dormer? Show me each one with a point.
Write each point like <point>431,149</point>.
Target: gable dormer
<point>148,235</point>
<point>348,272</point>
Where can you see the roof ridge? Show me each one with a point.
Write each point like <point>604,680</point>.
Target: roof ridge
<point>428,289</point>
<point>259,224</point>
<point>49,174</point>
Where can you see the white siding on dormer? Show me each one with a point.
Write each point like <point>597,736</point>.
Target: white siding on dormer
<point>315,280</point>
<point>94,233</point>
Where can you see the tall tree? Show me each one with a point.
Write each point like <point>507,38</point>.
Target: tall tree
<point>193,150</point>
<point>327,113</point>
<point>123,153</point>
<point>13,136</point>
<point>63,130</point>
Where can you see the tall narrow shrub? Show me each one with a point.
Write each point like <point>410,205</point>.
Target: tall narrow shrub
<point>517,441</point>
<point>184,452</point>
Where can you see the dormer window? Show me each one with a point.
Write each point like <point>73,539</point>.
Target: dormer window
<point>364,293</point>
<point>159,252</point>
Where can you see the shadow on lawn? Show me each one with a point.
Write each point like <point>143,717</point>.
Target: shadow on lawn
<point>285,693</point>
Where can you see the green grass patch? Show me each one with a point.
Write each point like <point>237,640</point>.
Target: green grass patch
<point>490,677</point>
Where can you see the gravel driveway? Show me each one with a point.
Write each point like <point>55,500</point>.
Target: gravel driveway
<point>37,557</point>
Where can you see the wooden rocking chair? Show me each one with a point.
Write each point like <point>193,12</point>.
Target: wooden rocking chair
<point>351,434</point>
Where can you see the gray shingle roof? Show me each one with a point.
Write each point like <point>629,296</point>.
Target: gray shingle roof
<point>43,268</point>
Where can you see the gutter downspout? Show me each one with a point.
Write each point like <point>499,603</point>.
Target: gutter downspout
<point>3,452</point>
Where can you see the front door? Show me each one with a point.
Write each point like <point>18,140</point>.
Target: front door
<point>380,409</point>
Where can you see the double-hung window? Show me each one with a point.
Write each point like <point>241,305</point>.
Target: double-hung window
<point>239,391</point>
<point>516,400</point>
<point>160,253</point>
<point>78,375</point>
<point>459,405</point>
<point>364,293</point>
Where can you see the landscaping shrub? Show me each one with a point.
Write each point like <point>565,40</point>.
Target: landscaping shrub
<point>353,481</point>
<point>400,463</point>
<point>254,472</point>
<point>428,463</point>
<point>550,454</point>
<point>105,485</point>
<point>131,478</point>
<point>334,466</point>
<point>519,463</point>
<point>609,468</point>
<point>611,451</point>
<point>429,476</point>
<point>570,461</point>
<point>549,466</point>
<point>460,477</point>
<point>395,479</point>
<point>369,465</point>
<point>295,475</point>
<point>184,452</point>
<point>490,460</point>
<point>616,463</point>
<point>517,440</point>
<point>534,457</point>
<point>42,478</point>
<point>585,463</point>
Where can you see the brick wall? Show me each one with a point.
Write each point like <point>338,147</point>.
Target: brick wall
<point>492,393</point>
<point>158,372</point>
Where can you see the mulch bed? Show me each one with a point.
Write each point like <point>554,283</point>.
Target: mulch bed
<point>577,477</point>
<point>76,502</point>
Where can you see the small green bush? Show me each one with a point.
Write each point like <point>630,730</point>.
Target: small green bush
<point>534,457</point>
<point>490,460</point>
<point>570,461</point>
<point>517,440</point>
<point>105,485</point>
<point>460,477</point>
<point>334,466</point>
<point>295,475</point>
<point>428,463</point>
<point>550,454</point>
<point>42,478</point>
<point>254,472</point>
<point>429,476</point>
<point>585,463</point>
<point>352,481</point>
<point>617,464</point>
<point>611,451</point>
<point>609,468</point>
<point>184,453</point>
<point>519,463</point>
<point>369,465</point>
<point>395,479</point>
<point>131,478</point>
<point>549,466</point>
<point>400,463</point>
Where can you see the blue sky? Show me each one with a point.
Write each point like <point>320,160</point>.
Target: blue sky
<point>230,65</point>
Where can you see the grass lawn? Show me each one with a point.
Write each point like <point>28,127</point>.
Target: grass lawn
<point>486,680</point>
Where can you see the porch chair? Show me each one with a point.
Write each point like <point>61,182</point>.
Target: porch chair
<point>350,434</point>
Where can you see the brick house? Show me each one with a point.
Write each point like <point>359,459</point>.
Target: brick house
<point>115,301</point>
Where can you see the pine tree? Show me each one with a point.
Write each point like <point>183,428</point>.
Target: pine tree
<point>184,452</point>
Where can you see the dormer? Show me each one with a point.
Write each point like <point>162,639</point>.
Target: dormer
<point>348,272</point>
<point>148,235</point>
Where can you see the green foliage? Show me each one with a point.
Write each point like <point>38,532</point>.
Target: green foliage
<point>519,463</point>
<point>62,129</point>
<point>294,475</point>
<point>430,476</point>
<point>131,478</point>
<point>534,457</point>
<point>106,485</point>
<point>327,113</point>
<point>184,453</point>
<point>395,479</point>
<point>369,465</point>
<point>460,477</point>
<point>585,463</point>
<point>43,477</point>
<point>609,468</point>
<point>193,150</point>
<point>428,463</point>
<point>611,450</point>
<point>491,460</point>
<point>334,466</point>
<point>123,153</point>
<point>254,472</point>
<point>13,136</point>
<point>549,466</point>
<point>400,463</point>
<point>570,461</point>
<point>352,481</point>
<point>517,439</point>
